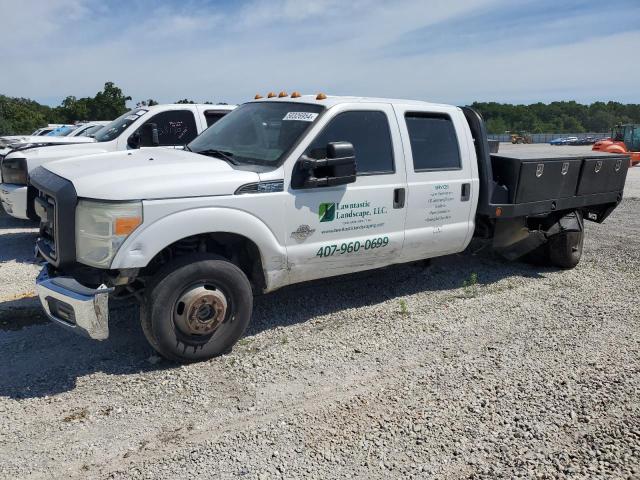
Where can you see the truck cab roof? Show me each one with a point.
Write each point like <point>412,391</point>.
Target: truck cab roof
<point>333,100</point>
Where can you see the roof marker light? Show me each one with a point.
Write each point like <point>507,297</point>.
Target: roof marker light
<point>283,94</point>
<point>257,97</point>
<point>271,95</point>
<point>321,96</point>
<point>295,95</point>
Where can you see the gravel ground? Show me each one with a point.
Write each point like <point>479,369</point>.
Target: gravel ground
<point>400,373</point>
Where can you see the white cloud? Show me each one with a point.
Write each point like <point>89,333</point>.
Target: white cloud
<point>322,45</point>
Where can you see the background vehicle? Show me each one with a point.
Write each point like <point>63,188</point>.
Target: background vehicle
<point>521,137</point>
<point>169,126</point>
<point>67,134</point>
<point>291,189</point>
<point>624,139</point>
<point>8,139</point>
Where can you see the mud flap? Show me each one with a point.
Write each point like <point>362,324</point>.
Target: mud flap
<point>513,239</point>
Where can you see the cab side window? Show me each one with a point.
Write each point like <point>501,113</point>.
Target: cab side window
<point>368,132</point>
<point>213,117</point>
<point>434,144</point>
<point>175,127</point>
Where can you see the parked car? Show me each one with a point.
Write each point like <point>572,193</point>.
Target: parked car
<point>66,134</point>
<point>167,126</point>
<point>290,189</point>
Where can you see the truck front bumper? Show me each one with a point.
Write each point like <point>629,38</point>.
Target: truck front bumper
<point>14,200</point>
<point>72,305</point>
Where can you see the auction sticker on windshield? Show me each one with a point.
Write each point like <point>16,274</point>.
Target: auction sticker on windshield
<point>301,116</point>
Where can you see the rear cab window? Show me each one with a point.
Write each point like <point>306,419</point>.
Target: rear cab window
<point>434,143</point>
<point>212,116</point>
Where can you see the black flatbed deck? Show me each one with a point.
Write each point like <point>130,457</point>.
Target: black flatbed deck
<point>523,182</point>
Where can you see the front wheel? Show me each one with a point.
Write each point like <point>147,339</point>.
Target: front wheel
<point>197,307</point>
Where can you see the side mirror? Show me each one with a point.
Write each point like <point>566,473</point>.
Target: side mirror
<point>149,135</point>
<point>339,168</point>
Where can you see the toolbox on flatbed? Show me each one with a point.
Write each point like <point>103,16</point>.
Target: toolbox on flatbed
<point>527,184</point>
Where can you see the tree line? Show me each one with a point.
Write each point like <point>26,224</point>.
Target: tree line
<point>556,117</point>
<point>22,115</point>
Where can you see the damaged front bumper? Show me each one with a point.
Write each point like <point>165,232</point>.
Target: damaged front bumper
<point>72,305</point>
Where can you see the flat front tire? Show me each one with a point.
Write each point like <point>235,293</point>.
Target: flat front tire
<point>196,308</point>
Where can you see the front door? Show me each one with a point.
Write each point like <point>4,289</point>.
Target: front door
<point>341,229</point>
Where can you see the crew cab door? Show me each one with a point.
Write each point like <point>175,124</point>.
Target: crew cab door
<point>176,128</point>
<point>442,181</point>
<point>345,228</point>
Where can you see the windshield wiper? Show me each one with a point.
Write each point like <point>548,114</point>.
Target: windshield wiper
<point>219,154</point>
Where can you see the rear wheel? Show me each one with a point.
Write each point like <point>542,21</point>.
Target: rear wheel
<point>196,308</point>
<point>565,249</point>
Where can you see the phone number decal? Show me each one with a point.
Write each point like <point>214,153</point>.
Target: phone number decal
<point>352,247</point>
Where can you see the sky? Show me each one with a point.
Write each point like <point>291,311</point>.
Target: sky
<point>446,51</point>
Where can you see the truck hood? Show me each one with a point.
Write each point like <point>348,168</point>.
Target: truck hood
<point>150,174</point>
<point>46,140</point>
<point>41,155</point>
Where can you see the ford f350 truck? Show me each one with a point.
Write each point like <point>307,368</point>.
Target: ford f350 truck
<point>289,189</point>
<point>168,126</point>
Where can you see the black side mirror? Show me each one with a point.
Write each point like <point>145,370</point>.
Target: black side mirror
<point>339,168</point>
<point>149,135</point>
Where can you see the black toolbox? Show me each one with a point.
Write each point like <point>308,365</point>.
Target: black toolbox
<point>536,179</point>
<point>528,178</point>
<point>602,175</point>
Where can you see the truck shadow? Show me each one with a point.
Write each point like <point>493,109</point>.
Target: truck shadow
<point>44,360</point>
<point>303,302</point>
<point>18,246</point>
<point>7,221</point>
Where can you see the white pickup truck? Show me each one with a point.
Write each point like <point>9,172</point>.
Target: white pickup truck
<point>290,189</point>
<point>66,134</point>
<point>160,125</point>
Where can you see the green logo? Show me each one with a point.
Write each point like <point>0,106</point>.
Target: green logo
<point>327,212</point>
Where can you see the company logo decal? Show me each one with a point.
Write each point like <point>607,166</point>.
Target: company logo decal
<point>327,212</point>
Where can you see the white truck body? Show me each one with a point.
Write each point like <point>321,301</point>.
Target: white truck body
<point>273,190</point>
<point>178,124</point>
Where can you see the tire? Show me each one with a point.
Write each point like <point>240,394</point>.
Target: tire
<point>565,249</point>
<point>196,308</point>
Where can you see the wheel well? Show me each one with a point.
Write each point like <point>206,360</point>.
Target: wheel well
<point>238,249</point>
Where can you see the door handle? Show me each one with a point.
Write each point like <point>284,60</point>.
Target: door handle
<point>466,192</point>
<point>398,198</point>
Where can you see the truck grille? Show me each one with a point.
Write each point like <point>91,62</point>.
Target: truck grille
<point>55,204</point>
<point>45,206</point>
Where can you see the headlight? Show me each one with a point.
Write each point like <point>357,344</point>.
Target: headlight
<point>101,228</point>
<point>14,170</point>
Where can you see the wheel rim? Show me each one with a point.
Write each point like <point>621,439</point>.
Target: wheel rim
<point>200,310</point>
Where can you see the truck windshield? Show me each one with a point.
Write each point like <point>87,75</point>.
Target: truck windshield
<point>61,131</point>
<point>259,133</point>
<point>119,125</point>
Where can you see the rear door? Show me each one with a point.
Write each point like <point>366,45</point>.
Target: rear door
<point>442,180</point>
<point>346,228</point>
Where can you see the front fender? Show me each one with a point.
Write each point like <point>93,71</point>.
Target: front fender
<point>146,242</point>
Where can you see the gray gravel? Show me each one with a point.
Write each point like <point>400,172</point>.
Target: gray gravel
<point>400,373</point>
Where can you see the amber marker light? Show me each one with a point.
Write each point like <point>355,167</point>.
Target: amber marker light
<point>283,94</point>
<point>271,95</point>
<point>126,225</point>
<point>498,212</point>
<point>321,96</point>
<point>295,95</point>
<point>257,97</point>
